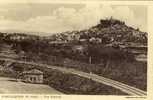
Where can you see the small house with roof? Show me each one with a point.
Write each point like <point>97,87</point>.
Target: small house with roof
<point>32,76</point>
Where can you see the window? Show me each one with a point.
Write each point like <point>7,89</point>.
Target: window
<point>31,79</point>
<point>34,78</point>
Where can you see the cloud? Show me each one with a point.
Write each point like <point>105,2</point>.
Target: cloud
<point>68,19</point>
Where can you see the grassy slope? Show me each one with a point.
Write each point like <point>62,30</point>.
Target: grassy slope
<point>73,84</point>
<point>132,73</point>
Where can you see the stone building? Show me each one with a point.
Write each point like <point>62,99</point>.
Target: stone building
<point>32,76</point>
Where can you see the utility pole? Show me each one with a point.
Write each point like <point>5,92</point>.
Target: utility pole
<point>90,59</point>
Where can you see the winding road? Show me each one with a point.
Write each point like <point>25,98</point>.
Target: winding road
<point>118,85</point>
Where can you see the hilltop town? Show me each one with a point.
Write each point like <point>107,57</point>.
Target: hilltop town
<point>110,49</point>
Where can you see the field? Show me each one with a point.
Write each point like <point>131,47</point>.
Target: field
<point>10,85</point>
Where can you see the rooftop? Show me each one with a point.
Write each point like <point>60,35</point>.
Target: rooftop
<point>33,71</point>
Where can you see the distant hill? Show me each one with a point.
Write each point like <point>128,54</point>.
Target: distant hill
<point>107,31</point>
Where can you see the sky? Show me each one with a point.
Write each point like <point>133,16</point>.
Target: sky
<point>47,19</point>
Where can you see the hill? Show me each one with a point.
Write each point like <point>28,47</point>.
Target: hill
<point>107,31</point>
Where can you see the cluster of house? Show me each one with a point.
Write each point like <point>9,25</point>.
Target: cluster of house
<point>20,37</point>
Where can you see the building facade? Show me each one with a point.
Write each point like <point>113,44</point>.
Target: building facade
<point>32,76</point>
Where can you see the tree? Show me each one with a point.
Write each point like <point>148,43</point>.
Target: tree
<point>18,70</point>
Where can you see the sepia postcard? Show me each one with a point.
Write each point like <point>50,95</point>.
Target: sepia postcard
<point>70,50</point>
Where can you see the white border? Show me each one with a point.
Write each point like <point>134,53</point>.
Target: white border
<point>88,97</point>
